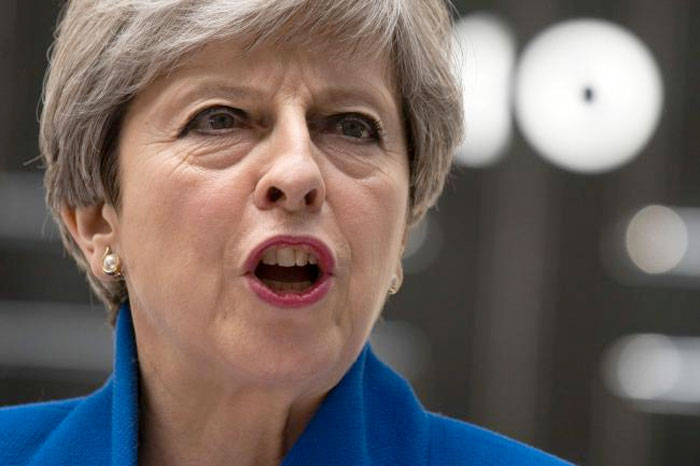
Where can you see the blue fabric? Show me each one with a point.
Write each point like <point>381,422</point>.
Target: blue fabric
<point>371,417</point>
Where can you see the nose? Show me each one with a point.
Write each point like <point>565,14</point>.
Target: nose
<point>293,180</point>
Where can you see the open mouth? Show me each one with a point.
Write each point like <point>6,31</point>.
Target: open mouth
<point>291,271</point>
<point>286,269</point>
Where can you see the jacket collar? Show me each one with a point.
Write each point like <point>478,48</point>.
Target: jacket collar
<point>125,398</point>
<point>103,427</point>
<point>371,417</point>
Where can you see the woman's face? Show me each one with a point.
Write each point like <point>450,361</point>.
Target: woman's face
<point>278,158</point>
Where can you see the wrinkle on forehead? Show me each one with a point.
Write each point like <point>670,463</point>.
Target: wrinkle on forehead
<point>329,77</point>
<point>337,53</point>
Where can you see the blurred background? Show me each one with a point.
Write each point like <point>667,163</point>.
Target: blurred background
<point>553,295</point>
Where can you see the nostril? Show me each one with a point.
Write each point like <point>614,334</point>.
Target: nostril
<point>274,194</point>
<point>310,197</point>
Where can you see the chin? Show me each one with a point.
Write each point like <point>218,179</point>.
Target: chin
<point>298,370</point>
<point>283,357</point>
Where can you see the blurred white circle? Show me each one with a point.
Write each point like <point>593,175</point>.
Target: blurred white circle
<point>647,366</point>
<point>656,239</point>
<point>588,95</point>
<point>485,60</point>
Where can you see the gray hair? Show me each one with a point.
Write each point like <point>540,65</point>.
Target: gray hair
<point>107,51</point>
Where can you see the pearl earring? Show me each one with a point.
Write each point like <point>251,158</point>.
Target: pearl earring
<point>111,264</point>
<point>395,285</point>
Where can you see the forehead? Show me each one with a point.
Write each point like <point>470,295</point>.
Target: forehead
<point>323,70</point>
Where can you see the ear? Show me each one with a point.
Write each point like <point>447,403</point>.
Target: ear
<point>404,240</point>
<point>93,228</point>
<point>398,271</point>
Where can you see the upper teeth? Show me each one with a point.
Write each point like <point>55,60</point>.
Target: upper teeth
<point>288,257</point>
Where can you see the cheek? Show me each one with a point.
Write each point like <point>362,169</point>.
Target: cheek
<point>176,226</point>
<point>373,217</point>
<point>182,203</point>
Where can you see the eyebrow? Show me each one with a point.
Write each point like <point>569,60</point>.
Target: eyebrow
<point>368,95</point>
<point>208,88</point>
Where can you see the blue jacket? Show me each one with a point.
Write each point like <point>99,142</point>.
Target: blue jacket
<point>371,417</point>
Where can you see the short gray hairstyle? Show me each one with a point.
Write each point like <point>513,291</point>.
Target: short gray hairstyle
<point>107,51</point>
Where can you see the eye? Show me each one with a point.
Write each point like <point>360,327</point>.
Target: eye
<point>356,126</point>
<point>215,120</point>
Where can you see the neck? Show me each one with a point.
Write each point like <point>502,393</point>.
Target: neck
<point>194,425</point>
<point>195,411</point>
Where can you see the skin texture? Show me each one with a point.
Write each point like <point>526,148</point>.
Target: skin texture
<point>227,378</point>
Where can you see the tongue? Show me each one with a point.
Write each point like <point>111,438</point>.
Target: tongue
<point>306,273</point>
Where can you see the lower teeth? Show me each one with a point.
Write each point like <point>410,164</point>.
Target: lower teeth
<point>287,286</point>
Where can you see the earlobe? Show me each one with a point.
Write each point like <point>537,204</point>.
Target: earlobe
<point>397,276</point>
<point>396,279</point>
<point>404,240</point>
<point>94,229</point>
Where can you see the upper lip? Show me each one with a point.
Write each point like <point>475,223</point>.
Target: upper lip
<point>325,257</point>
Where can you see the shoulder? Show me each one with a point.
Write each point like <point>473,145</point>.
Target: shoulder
<point>455,442</point>
<point>24,428</point>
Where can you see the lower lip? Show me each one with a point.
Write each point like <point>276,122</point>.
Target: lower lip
<point>290,299</point>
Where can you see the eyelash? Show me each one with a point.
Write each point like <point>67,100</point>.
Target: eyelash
<point>200,115</point>
<point>375,126</point>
